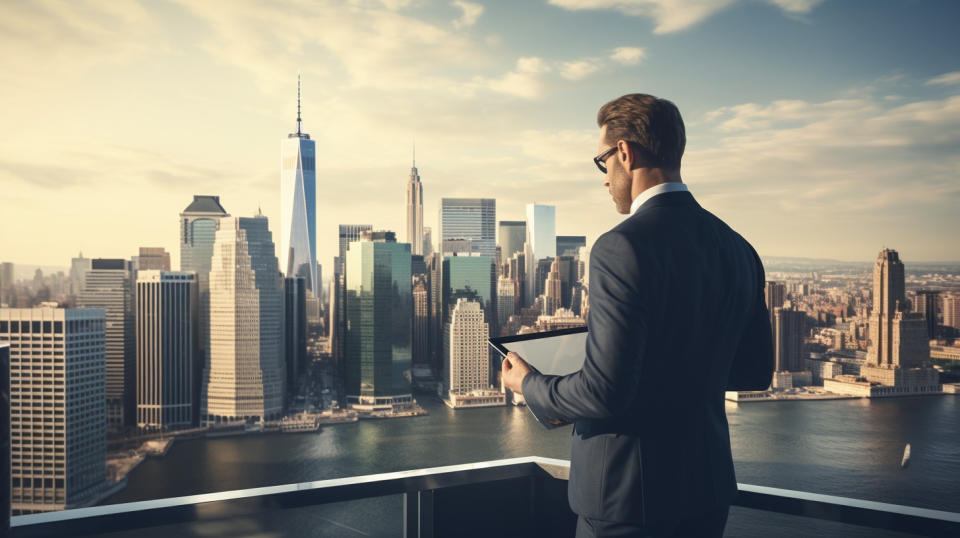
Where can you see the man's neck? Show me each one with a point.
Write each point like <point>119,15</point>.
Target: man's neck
<point>645,178</point>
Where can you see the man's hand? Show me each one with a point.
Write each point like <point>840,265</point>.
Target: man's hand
<point>513,370</point>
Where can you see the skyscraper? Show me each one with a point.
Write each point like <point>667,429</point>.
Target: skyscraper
<point>512,235</point>
<point>165,343</point>
<point>298,205</point>
<point>470,277</point>
<point>421,320</point>
<point>58,419</point>
<point>468,219</point>
<point>775,293</point>
<point>467,333</point>
<point>951,310</point>
<point>427,241</point>
<point>789,325</point>
<point>295,329</point>
<point>198,228</point>
<point>506,307</point>
<point>378,308</point>
<point>6,282</point>
<point>926,304</point>
<point>108,285</point>
<point>541,242</point>
<point>897,348</point>
<point>243,378</point>
<point>415,210</point>
<point>78,269</point>
<point>152,259</point>
<point>568,245</point>
<point>346,233</point>
<point>552,289</point>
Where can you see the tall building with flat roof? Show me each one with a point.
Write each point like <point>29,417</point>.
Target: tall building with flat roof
<point>166,349</point>
<point>775,294</point>
<point>951,310</point>
<point>512,234</point>
<point>569,245</point>
<point>153,259</point>
<point>927,304</point>
<point>378,312</point>
<point>295,329</point>
<point>789,326</point>
<point>109,285</point>
<point>58,415</point>
<point>470,222</point>
<point>541,243</point>
<point>298,205</point>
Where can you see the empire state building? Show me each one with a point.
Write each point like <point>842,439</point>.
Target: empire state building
<point>298,206</point>
<point>415,210</point>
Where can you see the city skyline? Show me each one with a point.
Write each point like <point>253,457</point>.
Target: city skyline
<point>788,156</point>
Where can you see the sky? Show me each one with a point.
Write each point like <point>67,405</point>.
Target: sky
<point>822,129</point>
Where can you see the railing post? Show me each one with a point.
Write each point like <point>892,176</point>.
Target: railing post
<point>418,514</point>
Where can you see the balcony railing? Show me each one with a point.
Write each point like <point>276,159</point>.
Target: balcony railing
<point>511,497</point>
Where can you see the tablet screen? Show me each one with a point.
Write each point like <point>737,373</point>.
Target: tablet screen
<point>551,354</point>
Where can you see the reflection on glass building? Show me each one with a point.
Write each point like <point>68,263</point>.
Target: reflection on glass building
<point>379,304</point>
<point>468,225</point>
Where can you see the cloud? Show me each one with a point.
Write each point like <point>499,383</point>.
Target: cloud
<point>523,81</point>
<point>628,55</point>
<point>675,15</point>
<point>945,79</point>
<point>47,36</point>
<point>471,12</point>
<point>578,69</point>
<point>45,176</point>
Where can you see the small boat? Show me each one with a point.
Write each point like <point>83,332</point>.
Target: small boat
<point>906,456</point>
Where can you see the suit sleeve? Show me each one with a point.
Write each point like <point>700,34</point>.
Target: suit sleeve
<point>753,363</point>
<point>616,335</point>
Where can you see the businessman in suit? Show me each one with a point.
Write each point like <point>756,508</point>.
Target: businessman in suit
<point>677,317</point>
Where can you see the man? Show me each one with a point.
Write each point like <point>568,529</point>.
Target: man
<point>677,317</point>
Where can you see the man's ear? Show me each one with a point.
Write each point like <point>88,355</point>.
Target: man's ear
<point>625,155</point>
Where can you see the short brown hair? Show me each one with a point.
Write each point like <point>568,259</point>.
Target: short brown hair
<point>652,124</point>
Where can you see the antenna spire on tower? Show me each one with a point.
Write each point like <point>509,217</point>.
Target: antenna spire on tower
<point>414,152</point>
<point>298,102</point>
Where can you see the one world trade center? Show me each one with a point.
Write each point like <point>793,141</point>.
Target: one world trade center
<point>298,206</point>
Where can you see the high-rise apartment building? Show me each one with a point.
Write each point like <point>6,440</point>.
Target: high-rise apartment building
<point>414,211</point>
<point>298,206</point>
<point>378,307</point>
<point>108,285</point>
<point>512,234</point>
<point>167,386</point>
<point>506,294</point>
<point>58,417</point>
<point>467,226</point>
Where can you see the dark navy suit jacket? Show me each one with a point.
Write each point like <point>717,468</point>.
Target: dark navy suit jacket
<point>677,317</point>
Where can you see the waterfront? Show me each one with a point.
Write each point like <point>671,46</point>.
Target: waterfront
<point>850,448</point>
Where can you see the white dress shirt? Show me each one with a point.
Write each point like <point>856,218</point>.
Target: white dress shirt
<point>670,186</point>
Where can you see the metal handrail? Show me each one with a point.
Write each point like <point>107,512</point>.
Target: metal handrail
<point>414,483</point>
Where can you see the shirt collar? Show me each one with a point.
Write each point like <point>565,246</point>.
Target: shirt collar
<point>670,186</point>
